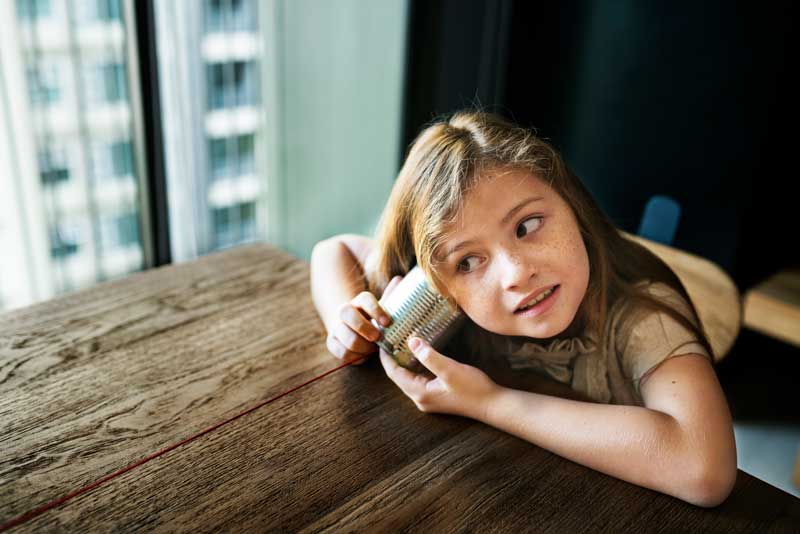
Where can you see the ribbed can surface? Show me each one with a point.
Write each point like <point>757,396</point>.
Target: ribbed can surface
<point>416,310</point>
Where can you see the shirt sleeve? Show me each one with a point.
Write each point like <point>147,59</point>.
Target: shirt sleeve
<point>654,336</point>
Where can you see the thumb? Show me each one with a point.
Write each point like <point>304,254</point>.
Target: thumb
<point>432,360</point>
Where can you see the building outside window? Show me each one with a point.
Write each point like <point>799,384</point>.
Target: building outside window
<point>67,135</point>
<point>121,158</point>
<point>248,89</point>
<point>43,85</point>
<point>33,9</point>
<point>234,224</point>
<point>113,160</point>
<point>232,156</point>
<point>107,83</point>
<point>53,167</point>
<point>63,242</point>
<point>302,78</point>
<point>230,16</point>
<point>120,231</point>
<point>107,10</point>
<point>114,83</point>
<point>231,84</point>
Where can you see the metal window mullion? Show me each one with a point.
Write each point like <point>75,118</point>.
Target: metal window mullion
<point>145,102</point>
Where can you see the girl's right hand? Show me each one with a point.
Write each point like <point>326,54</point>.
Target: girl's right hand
<point>353,336</point>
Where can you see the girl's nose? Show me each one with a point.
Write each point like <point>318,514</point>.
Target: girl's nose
<point>516,271</point>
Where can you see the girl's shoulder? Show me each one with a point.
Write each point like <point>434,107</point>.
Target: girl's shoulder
<point>629,312</point>
<point>643,337</point>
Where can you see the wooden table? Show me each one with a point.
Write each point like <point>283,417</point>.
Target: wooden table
<point>100,379</point>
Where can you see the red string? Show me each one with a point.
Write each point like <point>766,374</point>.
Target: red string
<point>57,502</point>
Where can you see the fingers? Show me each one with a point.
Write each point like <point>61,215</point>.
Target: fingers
<point>435,362</point>
<point>355,336</point>
<point>338,349</point>
<point>351,315</point>
<point>352,340</point>
<point>411,383</point>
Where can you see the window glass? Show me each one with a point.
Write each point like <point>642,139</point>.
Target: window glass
<point>53,167</point>
<point>33,9</point>
<point>234,224</point>
<point>43,85</point>
<point>281,118</point>
<point>70,211</point>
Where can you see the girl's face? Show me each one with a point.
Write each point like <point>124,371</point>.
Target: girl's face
<point>514,239</point>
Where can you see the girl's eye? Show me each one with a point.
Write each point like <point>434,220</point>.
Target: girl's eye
<point>462,262</point>
<point>531,224</point>
<point>530,227</point>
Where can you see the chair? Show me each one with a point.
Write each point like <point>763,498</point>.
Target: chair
<point>660,219</point>
<point>712,291</point>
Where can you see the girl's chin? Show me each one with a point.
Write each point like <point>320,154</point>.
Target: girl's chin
<point>546,329</point>
<point>537,332</point>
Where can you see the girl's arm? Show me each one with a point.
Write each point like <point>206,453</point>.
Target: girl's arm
<point>681,443</point>
<point>337,273</point>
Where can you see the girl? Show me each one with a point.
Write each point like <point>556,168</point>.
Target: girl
<point>551,288</point>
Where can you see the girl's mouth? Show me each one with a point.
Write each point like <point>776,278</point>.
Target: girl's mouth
<point>541,306</point>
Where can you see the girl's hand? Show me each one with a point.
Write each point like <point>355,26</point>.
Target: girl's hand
<point>352,337</point>
<point>455,388</point>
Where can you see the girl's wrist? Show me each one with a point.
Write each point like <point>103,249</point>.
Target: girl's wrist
<point>491,403</point>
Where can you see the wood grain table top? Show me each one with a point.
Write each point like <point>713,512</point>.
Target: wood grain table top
<point>102,379</point>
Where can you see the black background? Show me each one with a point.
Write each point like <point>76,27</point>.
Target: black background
<point>688,99</point>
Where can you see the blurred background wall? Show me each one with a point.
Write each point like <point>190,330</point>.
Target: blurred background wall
<point>691,100</point>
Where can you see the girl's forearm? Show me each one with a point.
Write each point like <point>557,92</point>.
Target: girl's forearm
<point>636,444</point>
<point>336,277</point>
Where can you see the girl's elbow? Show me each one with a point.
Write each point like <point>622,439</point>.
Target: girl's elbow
<point>711,485</point>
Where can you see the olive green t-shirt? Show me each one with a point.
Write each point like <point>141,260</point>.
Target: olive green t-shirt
<point>637,341</point>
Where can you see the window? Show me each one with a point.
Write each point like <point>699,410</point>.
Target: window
<point>53,167</point>
<point>230,15</point>
<point>33,9</point>
<point>121,158</point>
<point>234,224</point>
<point>231,84</point>
<point>232,156</point>
<point>66,83</point>
<point>107,83</point>
<point>43,85</point>
<point>63,243</point>
<point>120,231</point>
<point>320,109</point>
<point>128,229</point>
<point>108,10</point>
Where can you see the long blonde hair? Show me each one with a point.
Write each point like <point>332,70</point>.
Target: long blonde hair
<point>446,160</point>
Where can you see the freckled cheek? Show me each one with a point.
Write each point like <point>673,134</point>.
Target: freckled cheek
<point>480,304</point>
<point>568,250</point>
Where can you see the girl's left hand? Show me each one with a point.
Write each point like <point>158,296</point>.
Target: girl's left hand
<point>456,388</point>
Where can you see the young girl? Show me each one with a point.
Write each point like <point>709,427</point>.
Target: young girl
<point>551,288</point>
